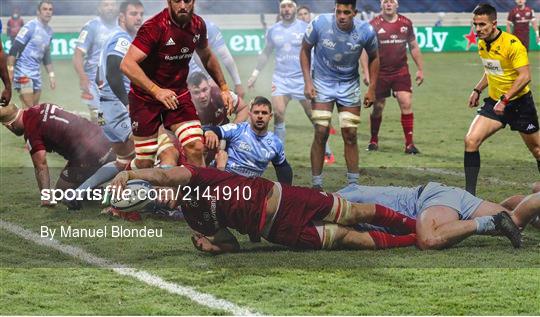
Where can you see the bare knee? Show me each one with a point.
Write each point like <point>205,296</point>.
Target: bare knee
<point>194,149</point>
<point>472,143</point>
<point>321,134</point>
<point>349,136</point>
<point>430,243</point>
<point>144,163</point>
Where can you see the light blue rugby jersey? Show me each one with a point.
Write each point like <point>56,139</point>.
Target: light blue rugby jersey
<point>215,41</point>
<point>286,41</point>
<point>118,44</point>
<point>37,39</point>
<point>337,52</point>
<point>91,40</point>
<point>249,153</point>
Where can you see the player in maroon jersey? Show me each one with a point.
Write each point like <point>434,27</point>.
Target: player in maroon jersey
<point>394,32</point>
<point>305,218</point>
<point>157,63</point>
<point>520,17</point>
<point>49,128</point>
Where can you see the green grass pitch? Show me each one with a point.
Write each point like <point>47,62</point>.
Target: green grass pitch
<point>481,276</point>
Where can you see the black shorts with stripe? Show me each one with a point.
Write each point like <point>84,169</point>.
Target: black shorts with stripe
<point>520,113</point>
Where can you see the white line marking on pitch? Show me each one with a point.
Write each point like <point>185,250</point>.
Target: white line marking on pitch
<point>143,276</point>
<point>461,174</point>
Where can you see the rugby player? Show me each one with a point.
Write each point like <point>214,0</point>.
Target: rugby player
<point>446,215</point>
<point>394,32</point>
<point>157,65</point>
<point>5,97</point>
<point>32,47</point>
<point>507,75</point>
<point>339,39</point>
<point>293,216</point>
<point>518,21</point>
<point>304,13</point>
<point>49,128</point>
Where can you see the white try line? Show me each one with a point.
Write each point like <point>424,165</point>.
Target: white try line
<point>143,276</point>
<point>461,174</point>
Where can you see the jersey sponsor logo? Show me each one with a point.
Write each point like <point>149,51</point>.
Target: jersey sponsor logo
<point>244,146</point>
<point>178,57</point>
<point>493,66</point>
<point>82,36</point>
<point>122,45</point>
<point>184,50</point>
<point>353,47</point>
<point>404,29</point>
<point>22,32</point>
<point>297,35</point>
<point>329,44</point>
<point>170,42</point>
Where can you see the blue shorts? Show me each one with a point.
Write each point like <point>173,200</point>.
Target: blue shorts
<point>117,127</point>
<point>345,93</point>
<point>292,87</point>
<point>93,103</point>
<point>25,84</point>
<point>412,201</point>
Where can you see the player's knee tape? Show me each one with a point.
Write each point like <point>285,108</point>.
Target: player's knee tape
<point>348,120</point>
<point>189,131</point>
<point>341,211</point>
<point>125,159</point>
<point>27,85</point>
<point>164,142</point>
<point>146,149</point>
<point>321,117</point>
<point>327,232</point>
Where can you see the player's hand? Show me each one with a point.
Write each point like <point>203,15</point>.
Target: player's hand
<point>309,91</point>
<point>52,82</point>
<point>167,97</point>
<point>120,181</point>
<point>419,77</point>
<point>251,82</point>
<point>365,80</point>
<point>5,97</point>
<point>47,204</point>
<point>202,243</point>
<point>369,97</point>
<point>499,108</point>
<point>473,99</point>
<point>84,84</point>
<point>211,140</point>
<point>239,91</point>
<point>228,101</point>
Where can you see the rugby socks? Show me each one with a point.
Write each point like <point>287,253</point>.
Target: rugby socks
<point>316,180</point>
<point>385,240</point>
<point>352,178</point>
<point>279,130</point>
<point>375,125</point>
<point>387,217</point>
<point>471,162</point>
<point>103,174</point>
<point>407,122</point>
<point>485,224</point>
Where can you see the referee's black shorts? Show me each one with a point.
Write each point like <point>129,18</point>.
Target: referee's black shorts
<point>520,113</point>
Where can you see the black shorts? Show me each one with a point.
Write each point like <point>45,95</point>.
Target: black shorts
<point>520,113</point>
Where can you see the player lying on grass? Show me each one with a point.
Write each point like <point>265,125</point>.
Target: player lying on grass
<point>48,128</point>
<point>447,215</point>
<point>213,201</point>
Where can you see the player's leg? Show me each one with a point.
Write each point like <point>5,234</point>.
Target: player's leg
<point>481,128</point>
<point>532,141</point>
<point>375,119</point>
<point>36,97</point>
<point>279,104</point>
<point>25,86</point>
<point>146,119</point>
<point>349,118</point>
<point>321,116</point>
<point>404,99</point>
<point>167,153</point>
<point>328,155</point>
<point>91,100</point>
<point>334,236</point>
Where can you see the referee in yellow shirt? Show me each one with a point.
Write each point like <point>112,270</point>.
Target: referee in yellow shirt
<point>507,75</point>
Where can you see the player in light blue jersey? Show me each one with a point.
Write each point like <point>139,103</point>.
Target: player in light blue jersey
<point>338,40</point>
<point>88,50</point>
<point>218,46</point>
<point>5,97</point>
<point>31,48</point>
<point>446,215</point>
<point>114,96</point>
<point>250,145</point>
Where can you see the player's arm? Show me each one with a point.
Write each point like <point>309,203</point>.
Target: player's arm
<point>373,67</point>
<point>509,26</point>
<point>16,49</point>
<point>262,59</point>
<point>522,80</point>
<point>78,65</point>
<point>41,170</point>
<point>227,59</point>
<point>47,61</point>
<point>177,176</point>
<point>211,64</point>
<point>477,91</point>
<point>365,68</point>
<point>284,172</point>
<point>114,78</point>
<point>418,60</point>
<point>536,31</point>
<point>212,135</point>
<point>222,242</point>
<point>305,63</point>
<point>242,111</point>
<point>4,74</point>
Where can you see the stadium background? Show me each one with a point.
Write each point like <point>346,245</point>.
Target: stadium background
<point>482,275</point>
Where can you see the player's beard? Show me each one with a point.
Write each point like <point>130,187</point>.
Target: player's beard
<point>183,17</point>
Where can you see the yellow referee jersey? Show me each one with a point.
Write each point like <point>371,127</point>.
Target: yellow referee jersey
<point>501,58</point>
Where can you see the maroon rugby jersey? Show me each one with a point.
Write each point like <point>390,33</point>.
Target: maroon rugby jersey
<point>393,39</point>
<point>215,113</point>
<point>521,19</point>
<point>207,208</point>
<point>48,127</point>
<point>169,48</point>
